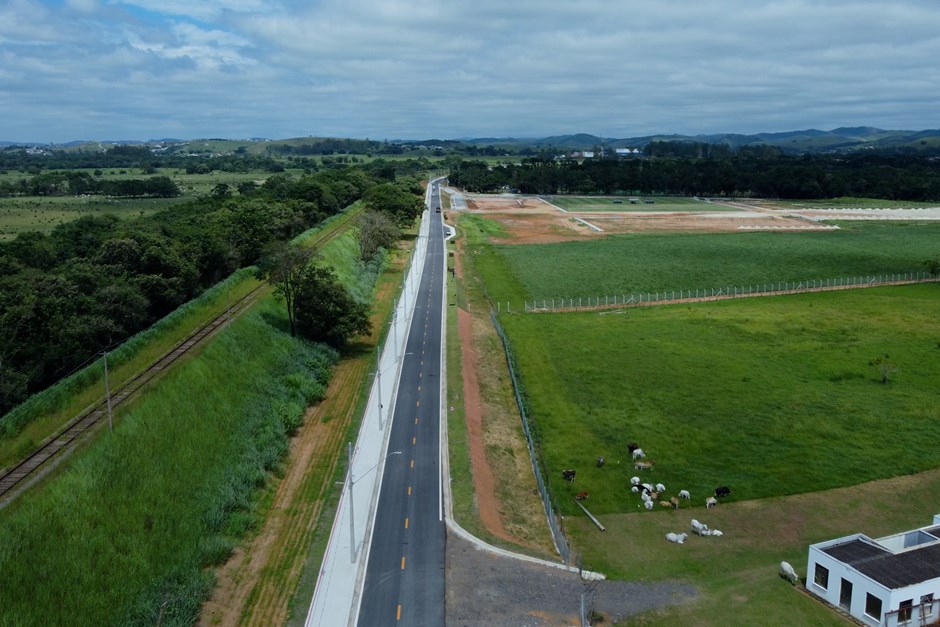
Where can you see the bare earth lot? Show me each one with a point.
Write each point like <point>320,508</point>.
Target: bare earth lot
<point>533,220</point>
<point>530,220</point>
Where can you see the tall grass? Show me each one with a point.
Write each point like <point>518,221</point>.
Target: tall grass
<point>769,396</point>
<point>125,535</point>
<point>60,395</point>
<point>359,277</point>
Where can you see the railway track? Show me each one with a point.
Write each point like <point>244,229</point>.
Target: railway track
<point>57,447</point>
<point>17,478</point>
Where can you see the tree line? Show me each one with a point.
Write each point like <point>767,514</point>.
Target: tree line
<point>73,183</point>
<point>739,174</point>
<point>95,281</point>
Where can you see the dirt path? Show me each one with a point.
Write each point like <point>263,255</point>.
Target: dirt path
<point>484,484</point>
<point>256,585</point>
<point>504,487</point>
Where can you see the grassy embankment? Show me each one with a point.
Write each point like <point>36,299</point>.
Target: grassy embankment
<point>126,533</point>
<point>44,413</point>
<point>250,411</point>
<point>520,509</point>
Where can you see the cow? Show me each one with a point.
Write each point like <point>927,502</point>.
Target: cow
<point>632,446</point>
<point>722,491</point>
<point>638,453</point>
<point>600,462</point>
<point>568,475</point>
<point>710,502</point>
<point>788,573</point>
<point>580,496</point>
<point>643,465</point>
<point>684,494</point>
<point>674,501</point>
<point>678,538</point>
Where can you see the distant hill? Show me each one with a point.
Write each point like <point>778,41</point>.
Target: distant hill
<point>844,139</point>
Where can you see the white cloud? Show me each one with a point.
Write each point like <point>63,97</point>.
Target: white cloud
<point>417,68</point>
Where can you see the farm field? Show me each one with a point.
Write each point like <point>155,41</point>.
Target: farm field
<point>21,214</point>
<point>772,396</point>
<point>643,203</point>
<point>846,203</point>
<point>633,263</point>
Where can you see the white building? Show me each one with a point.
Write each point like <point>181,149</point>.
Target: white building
<point>887,582</point>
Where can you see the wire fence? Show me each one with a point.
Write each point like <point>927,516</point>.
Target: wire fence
<point>643,299</point>
<point>558,533</point>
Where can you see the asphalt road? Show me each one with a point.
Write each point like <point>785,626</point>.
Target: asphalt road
<point>404,583</point>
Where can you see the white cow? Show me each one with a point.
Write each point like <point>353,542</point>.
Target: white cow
<point>634,489</point>
<point>698,527</point>
<point>638,454</point>
<point>660,487</point>
<point>684,494</point>
<point>678,538</point>
<point>634,481</point>
<point>788,572</point>
<point>710,502</point>
<point>648,504</point>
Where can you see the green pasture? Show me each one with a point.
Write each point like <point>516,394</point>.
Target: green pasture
<point>21,214</point>
<point>634,263</point>
<point>657,204</point>
<point>862,203</point>
<point>126,534</point>
<point>770,396</point>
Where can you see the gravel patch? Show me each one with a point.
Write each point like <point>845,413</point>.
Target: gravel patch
<point>488,590</point>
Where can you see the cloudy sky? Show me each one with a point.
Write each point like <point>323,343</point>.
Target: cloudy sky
<point>415,69</point>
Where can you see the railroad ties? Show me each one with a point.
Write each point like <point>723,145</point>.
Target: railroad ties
<point>60,445</point>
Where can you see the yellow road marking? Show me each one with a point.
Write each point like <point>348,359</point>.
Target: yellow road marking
<point>414,440</point>
<point>403,562</point>
<point>412,463</point>
<point>406,523</point>
<point>398,616</point>
<point>409,490</point>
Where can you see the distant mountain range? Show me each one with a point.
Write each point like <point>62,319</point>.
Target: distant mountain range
<point>843,139</point>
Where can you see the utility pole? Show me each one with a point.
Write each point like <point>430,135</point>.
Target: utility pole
<point>107,393</point>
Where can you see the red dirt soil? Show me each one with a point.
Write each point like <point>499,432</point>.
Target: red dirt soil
<point>484,483</point>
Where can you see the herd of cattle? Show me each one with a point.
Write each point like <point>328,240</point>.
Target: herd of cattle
<point>649,493</point>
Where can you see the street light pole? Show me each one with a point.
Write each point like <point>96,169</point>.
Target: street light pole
<point>107,393</point>
<point>353,553</point>
<point>378,381</point>
<point>352,517</point>
<point>395,332</point>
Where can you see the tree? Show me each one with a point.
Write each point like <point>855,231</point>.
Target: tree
<point>283,267</point>
<point>400,204</point>
<point>376,230</point>
<point>325,310</point>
